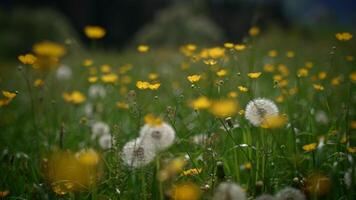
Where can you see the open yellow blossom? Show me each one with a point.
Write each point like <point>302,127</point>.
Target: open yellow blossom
<point>94,32</point>
<point>188,49</point>
<point>353,76</point>
<point>351,149</point>
<point>254,75</point>
<point>272,53</point>
<point>224,108</point>
<point>210,61</point>
<point>344,36</point>
<point>254,31</point>
<point>280,99</point>
<point>194,78</point>
<point>122,105</point>
<point>185,191</point>
<point>268,68</point>
<point>109,78</point>
<point>309,64</point>
<point>232,94</point>
<point>87,62</point>
<point>9,95</point>
<point>154,86</point>
<point>92,79</point>
<point>49,49</point>
<point>336,81</point>
<point>191,172</point>
<point>221,72</point>
<point>229,45</point>
<point>247,166</point>
<point>142,85</point>
<point>38,83</point>
<point>152,76</point>
<point>27,59</point>
<point>290,54</point>
<point>216,52</point>
<point>240,47</point>
<point>242,88</point>
<point>74,97</point>
<point>283,69</point>
<point>143,48</point>
<point>153,120</point>
<point>200,103</point>
<point>302,72</point>
<point>88,157</point>
<point>318,87</point>
<point>310,147</point>
<point>322,75</point>
<point>105,68</point>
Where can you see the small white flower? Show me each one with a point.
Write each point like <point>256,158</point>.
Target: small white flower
<point>99,129</point>
<point>321,117</point>
<point>64,72</point>
<point>161,136</point>
<point>257,109</point>
<point>105,141</point>
<point>137,153</point>
<point>96,91</point>
<point>289,193</point>
<point>229,190</point>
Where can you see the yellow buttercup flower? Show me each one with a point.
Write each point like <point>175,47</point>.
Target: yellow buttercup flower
<point>38,83</point>
<point>9,95</point>
<point>92,79</point>
<point>228,45</point>
<point>345,36</point>
<point>240,47</point>
<point>152,76</point>
<point>109,78</point>
<point>268,68</point>
<point>122,105</point>
<point>87,62</point>
<point>194,78</point>
<point>143,48</point>
<point>221,72</point>
<point>283,69</point>
<point>49,49</point>
<point>322,75</point>
<point>353,76</point>
<point>27,59</point>
<point>247,166</point>
<point>232,94</point>
<point>336,81</point>
<point>224,108</point>
<point>302,72</point>
<point>153,120</point>
<point>74,97</point>
<point>254,31</point>
<point>254,75</point>
<point>242,88</point>
<point>210,62</point>
<point>272,53</point>
<point>290,54</point>
<point>318,87</point>
<point>105,68</point>
<point>154,86</point>
<point>185,191</point>
<point>309,64</point>
<point>310,147</point>
<point>94,32</point>
<point>200,103</point>
<point>88,157</point>
<point>351,149</point>
<point>142,85</point>
<point>191,172</point>
<point>275,121</point>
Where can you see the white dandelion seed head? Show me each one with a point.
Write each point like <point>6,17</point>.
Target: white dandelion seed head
<point>321,117</point>
<point>137,153</point>
<point>161,136</point>
<point>265,197</point>
<point>63,72</point>
<point>105,141</point>
<point>97,91</point>
<point>229,190</point>
<point>289,193</point>
<point>257,109</point>
<point>99,129</point>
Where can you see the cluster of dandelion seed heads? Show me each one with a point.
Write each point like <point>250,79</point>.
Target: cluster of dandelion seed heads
<point>290,194</point>
<point>257,109</point>
<point>229,190</point>
<point>161,136</point>
<point>137,153</point>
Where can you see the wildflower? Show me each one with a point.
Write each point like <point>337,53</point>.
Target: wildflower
<point>105,68</point>
<point>272,53</point>
<point>153,120</point>
<point>142,85</point>
<point>302,72</point>
<point>310,147</point>
<point>349,58</point>
<point>283,69</point>
<point>200,139</point>
<point>318,87</point>
<point>351,149</point>
<point>88,62</point>
<point>223,108</point>
<point>318,184</point>
<point>64,72</point>
<point>188,49</point>
<point>259,109</point>
<point>221,72</point>
<point>247,166</point>
<point>49,49</point>
<point>105,141</point>
<point>229,190</point>
<point>122,105</point>
<point>9,95</point>
<point>290,193</point>
<point>275,121</point>
<point>210,62</point>
<point>280,98</point>
<point>242,88</point>
<point>154,86</point>
<point>254,75</point>
<point>336,81</point>
<point>228,45</point>
<point>254,31</point>
<point>92,79</point>
<point>161,136</point>
<point>38,83</point>
<point>74,97</point>
<point>27,59</point>
<point>191,172</point>
<point>232,94</point>
<point>143,48</point>
<point>353,76</point>
<point>290,54</point>
<point>309,64</point>
<point>268,68</point>
<point>87,157</point>
<point>240,47</point>
<point>137,153</point>
<point>344,36</point>
<point>185,191</point>
<point>152,76</point>
<point>94,32</point>
<point>97,91</point>
<point>99,129</point>
<point>109,78</point>
<point>194,78</point>
<point>322,75</point>
<point>216,52</point>
<point>172,168</point>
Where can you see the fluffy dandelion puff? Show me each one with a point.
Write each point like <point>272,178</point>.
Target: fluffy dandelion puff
<point>64,72</point>
<point>96,91</point>
<point>105,141</point>
<point>257,109</point>
<point>137,153</point>
<point>265,197</point>
<point>161,136</point>
<point>289,193</point>
<point>99,129</point>
<point>228,190</point>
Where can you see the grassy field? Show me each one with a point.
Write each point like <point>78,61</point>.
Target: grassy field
<point>69,119</point>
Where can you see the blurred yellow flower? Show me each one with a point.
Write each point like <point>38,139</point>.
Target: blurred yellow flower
<point>152,120</point>
<point>152,76</point>
<point>353,76</point>
<point>94,32</point>
<point>221,72</point>
<point>122,105</point>
<point>88,157</point>
<point>309,64</point>
<point>49,49</point>
<point>254,31</point>
<point>344,36</point>
<point>254,75</point>
<point>247,166</point>
<point>92,79</point>
<point>302,72</point>
<point>4,193</point>
<point>232,94</point>
<point>290,54</point>
<point>105,68</point>
<point>185,191</point>
<point>38,83</point>
<point>318,87</point>
<point>200,103</point>
<point>224,108</point>
<point>274,121</point>
<point>154,86</point>
<point>336,81</point>
<point>87,62</point>
<point>228,45</point>
<point>351,149</point>
<point>310,147</point>
<point>142,85</point>
<point>210,62</point>
<point>27,59</point>
<point>349,58</point>
<point>283,69</point>
<point>268,68</point>
<point>242,88</point>
<point>191,172</point>
<point>194,78</point>
<point>74,97</point>
<point>9,95</point>
<point>143,48</point>
<point>322,75</point>
<point>272,53</point>
<point>240,47</point>
<point>353,124</point>
<point>171,169</point>
<point>109,78</point>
